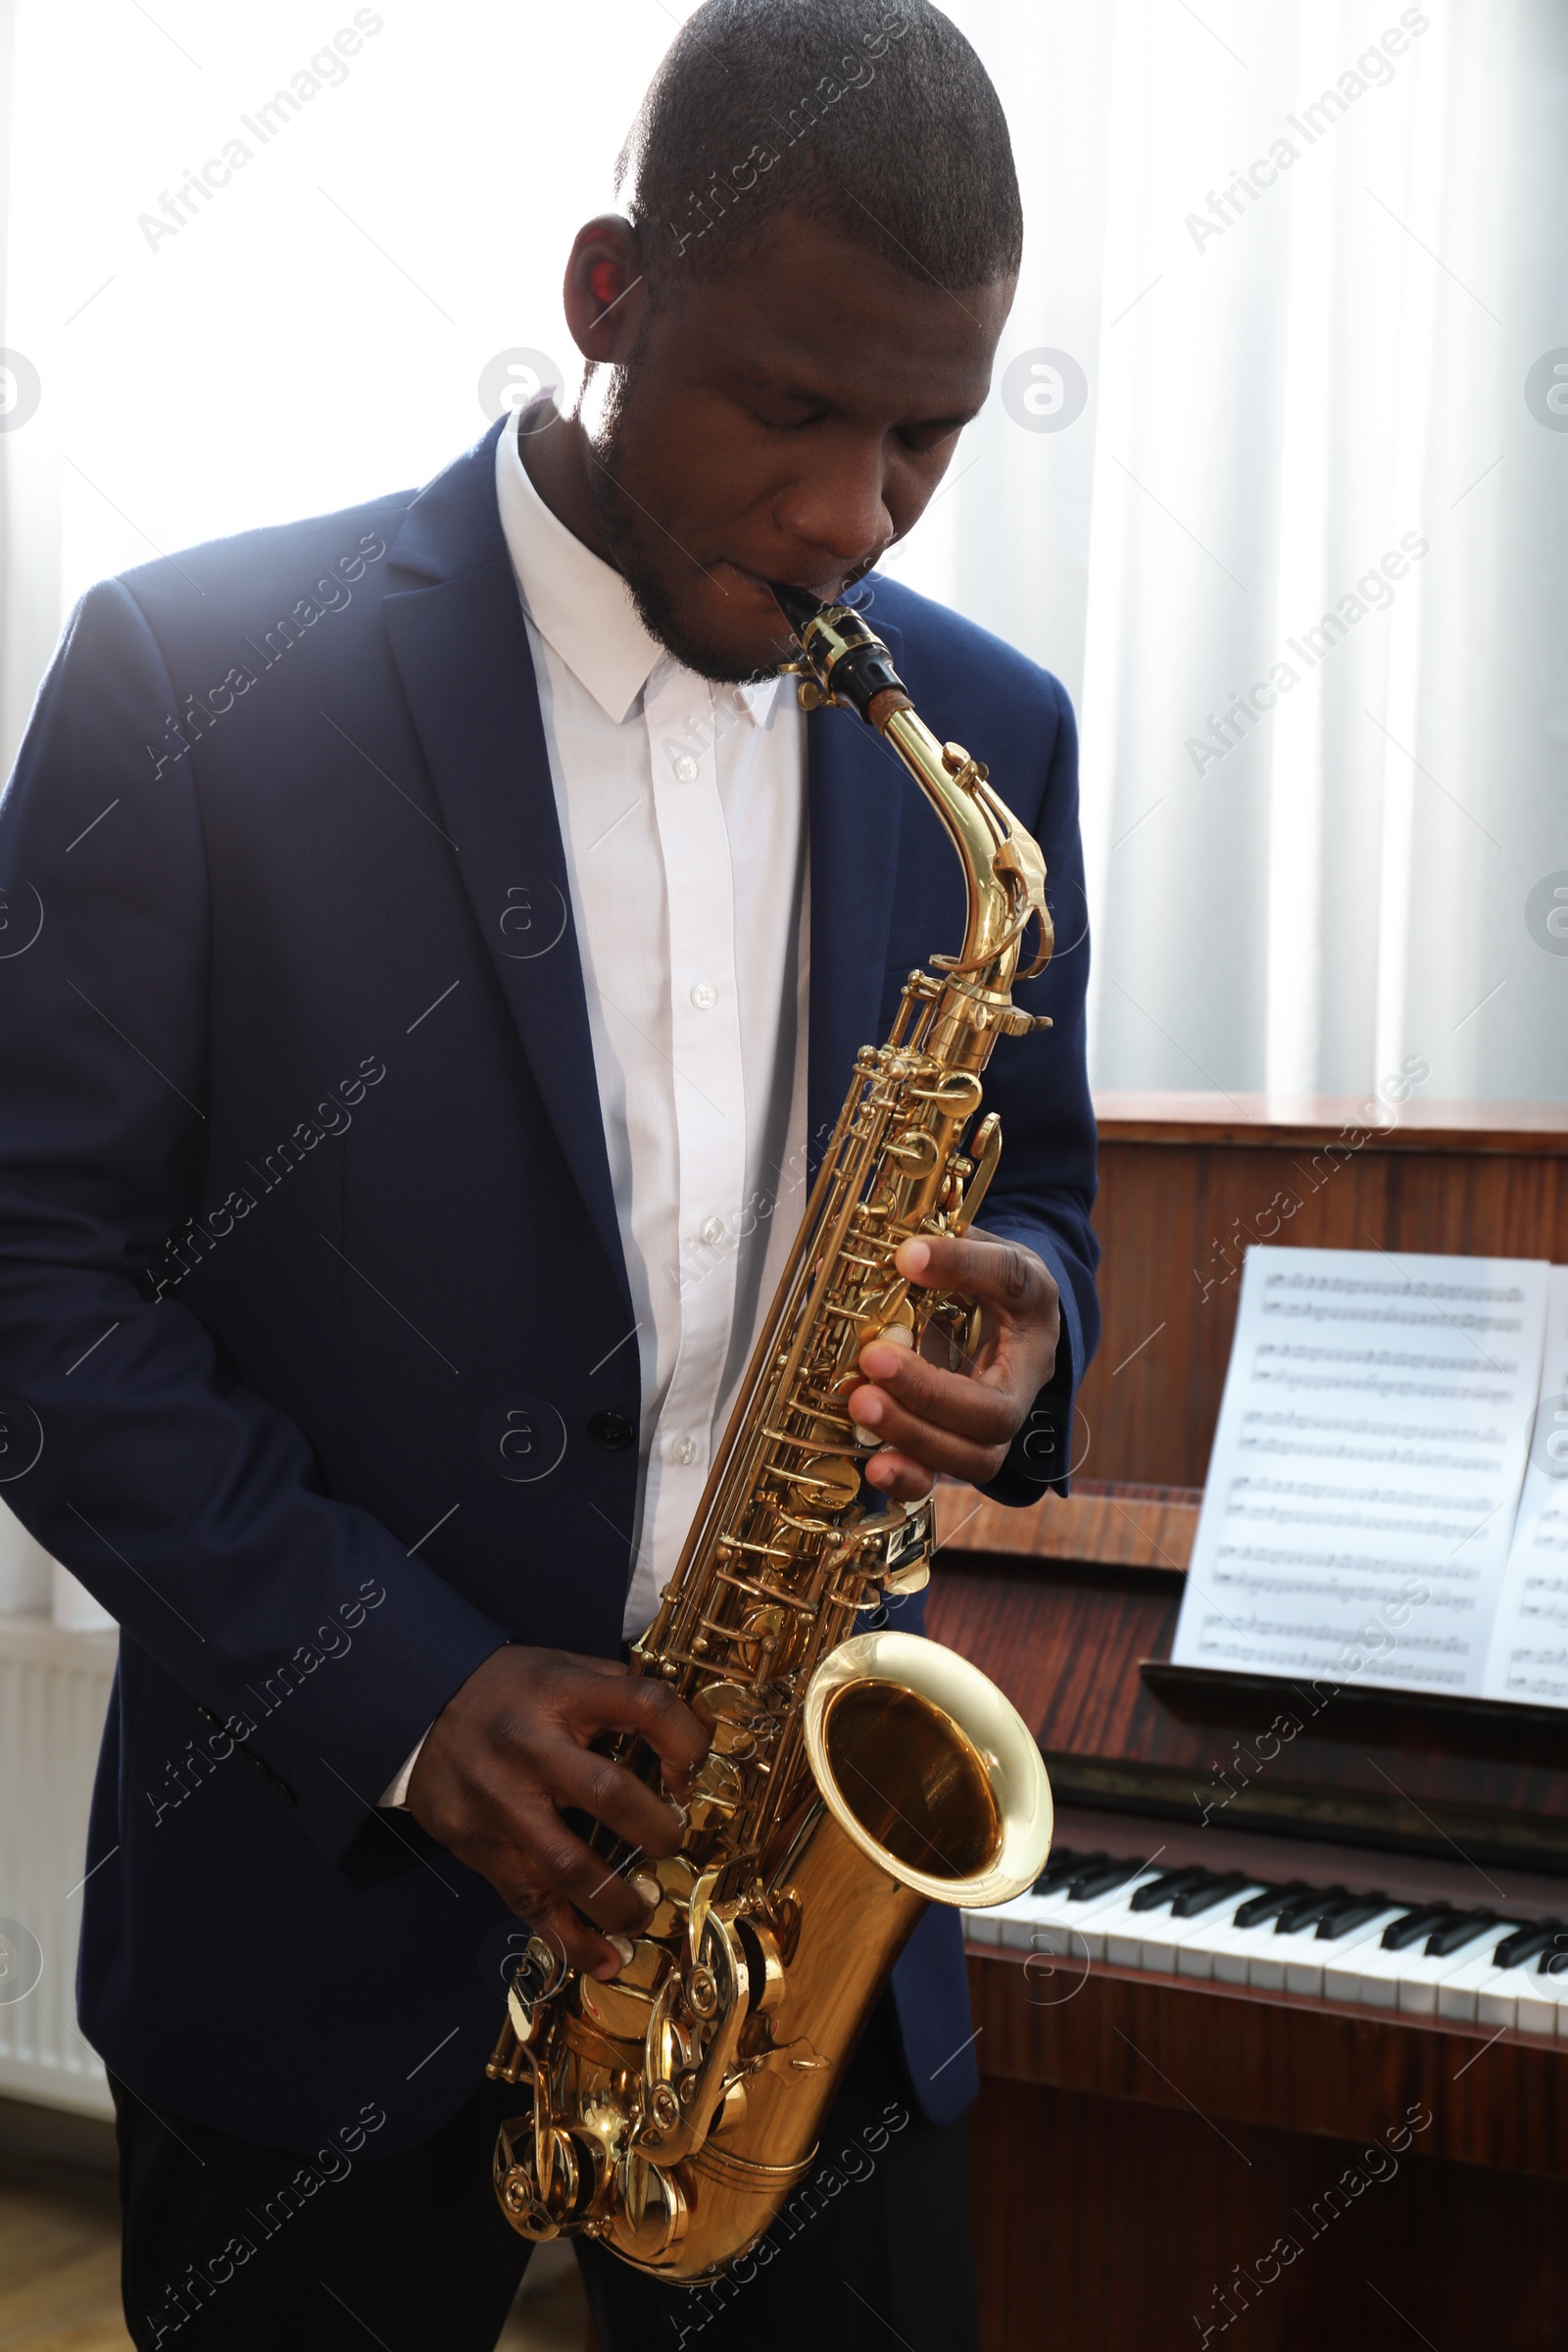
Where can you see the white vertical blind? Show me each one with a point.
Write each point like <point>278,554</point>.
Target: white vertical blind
<point>1289,378</point>
<point>1279,399</point>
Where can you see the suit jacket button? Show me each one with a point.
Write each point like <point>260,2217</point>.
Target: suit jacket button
<point>612,1431</point>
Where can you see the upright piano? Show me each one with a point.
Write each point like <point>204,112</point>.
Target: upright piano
<point>1277,2054</point>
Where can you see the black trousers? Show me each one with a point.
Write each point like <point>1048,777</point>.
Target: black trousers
<point>234,2248</point>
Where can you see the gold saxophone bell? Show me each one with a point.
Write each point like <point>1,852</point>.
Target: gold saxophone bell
<point>854,1777</point>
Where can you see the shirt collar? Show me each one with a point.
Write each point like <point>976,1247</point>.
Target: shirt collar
<point>581,607</point>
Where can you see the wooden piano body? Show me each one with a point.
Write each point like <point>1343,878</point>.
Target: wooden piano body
<point>1142,2142</point>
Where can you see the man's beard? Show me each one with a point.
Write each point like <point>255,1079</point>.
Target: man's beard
<point>625,525</point>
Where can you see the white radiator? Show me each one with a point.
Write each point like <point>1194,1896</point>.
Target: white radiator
<point>54,1691</point>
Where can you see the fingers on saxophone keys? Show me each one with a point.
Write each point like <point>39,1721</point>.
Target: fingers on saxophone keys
<point>615,1904</point>
<point>560,1861</point>
<point>642,1703</point>
<point>1004,1274</point>
<point>568,1934</point>
<point>934,1442</point>
<point>896,1475</point>
<point>591,1783</point>
<point>909,1392</point>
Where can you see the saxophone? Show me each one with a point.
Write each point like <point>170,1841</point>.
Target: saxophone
<point>852,1776</point>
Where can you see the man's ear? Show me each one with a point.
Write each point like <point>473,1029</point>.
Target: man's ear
<point>604,295</point>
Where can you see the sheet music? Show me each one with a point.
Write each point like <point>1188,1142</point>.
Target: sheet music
<point>1530,1637</point>
<point>1366,1468</point>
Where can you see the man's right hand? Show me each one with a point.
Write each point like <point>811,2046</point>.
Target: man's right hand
<point>513,1746</point>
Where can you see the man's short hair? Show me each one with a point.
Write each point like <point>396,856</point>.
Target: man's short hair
<point>875,117</point>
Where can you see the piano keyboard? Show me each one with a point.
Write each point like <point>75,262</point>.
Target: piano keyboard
<point>1319,1942</point>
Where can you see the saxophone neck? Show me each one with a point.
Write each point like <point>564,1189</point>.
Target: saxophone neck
<point>846,664</point>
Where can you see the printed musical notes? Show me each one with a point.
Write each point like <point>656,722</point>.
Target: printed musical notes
<point>1530,1634</point>
<point>1367,1468</point>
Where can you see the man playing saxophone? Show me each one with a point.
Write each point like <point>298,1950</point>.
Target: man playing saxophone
<point>394,1414</point>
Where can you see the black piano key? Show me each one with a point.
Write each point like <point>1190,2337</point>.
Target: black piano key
<point>1062,1867</point>
<point>1306,1909</point>
<point>1166,1888</point>
<point>1258,1909</point>
<point>1401,1933</point>
<point>1101,1879</point>
<point>1353,1912</point>
<point>1457,1930</point>
<point>1554,1958</point>
<point>1199,1899</point>
<point>1525,1942</point>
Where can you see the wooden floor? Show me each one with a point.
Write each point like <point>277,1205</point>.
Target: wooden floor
<point>60,2269</point>
<point>59,2258</point>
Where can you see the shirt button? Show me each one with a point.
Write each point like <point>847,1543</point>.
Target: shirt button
<point>711,1230</point>
<point>705,996</point>
<point>685,767</point>
<point>684,1451</point>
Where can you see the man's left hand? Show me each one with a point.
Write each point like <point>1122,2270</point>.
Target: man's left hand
<point>962,1423</point>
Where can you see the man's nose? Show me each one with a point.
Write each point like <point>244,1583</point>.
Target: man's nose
<point>839,507</point>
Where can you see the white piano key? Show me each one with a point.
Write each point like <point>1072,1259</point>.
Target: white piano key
<point>1064,1939</point>
<point>1541,2001</point>
<point>1067,1926</point>
<point>1422,1981</point>
<point>1522,1997</point>
<point>1466,1985</point>
<point>1225,1952</point>
<point>1497,1996</point>
<point>1406,1979</point>
<point>1040,1924</point>
<point>1213,1947</point>
<point>1122,1927</point>
<point>1540,2004</point>
<point>1169,1944</point>
<point>1304,1962</point>
<point>1195,1959</point>
<point>1209,1953</point>
<point>1368,1971</point>
<point>1052,1923</point>
<point>1009,1923</point>
<point>1016,1921</point>
<point>1030,1924</point>
<point>1458,1993</point>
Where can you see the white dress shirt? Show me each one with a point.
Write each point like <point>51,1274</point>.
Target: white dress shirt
<point>683,815</point>
<point>682,807</point>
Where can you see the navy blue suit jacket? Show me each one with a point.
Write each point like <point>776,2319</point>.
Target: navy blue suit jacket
<point>311,1282</point>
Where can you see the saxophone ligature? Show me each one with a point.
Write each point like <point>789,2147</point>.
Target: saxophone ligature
<point>852,1777</point>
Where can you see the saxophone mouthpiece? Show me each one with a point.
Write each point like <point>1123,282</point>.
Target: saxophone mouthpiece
<point>797,605</point>
<point>846,661</point>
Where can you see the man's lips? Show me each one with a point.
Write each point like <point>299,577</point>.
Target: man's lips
<point>762,583</point>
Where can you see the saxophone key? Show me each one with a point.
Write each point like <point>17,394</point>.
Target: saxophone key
<point>916,1152</point>
<point>829,1480</point>
<point>715,1794</point>
<point>676,1876</point>
<point>622,2009</point>
<point>740,1723</point>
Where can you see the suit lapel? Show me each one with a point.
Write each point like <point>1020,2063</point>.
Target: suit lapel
<point>454,623</point>
<point>857,788</point>
<point>457,633</point>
